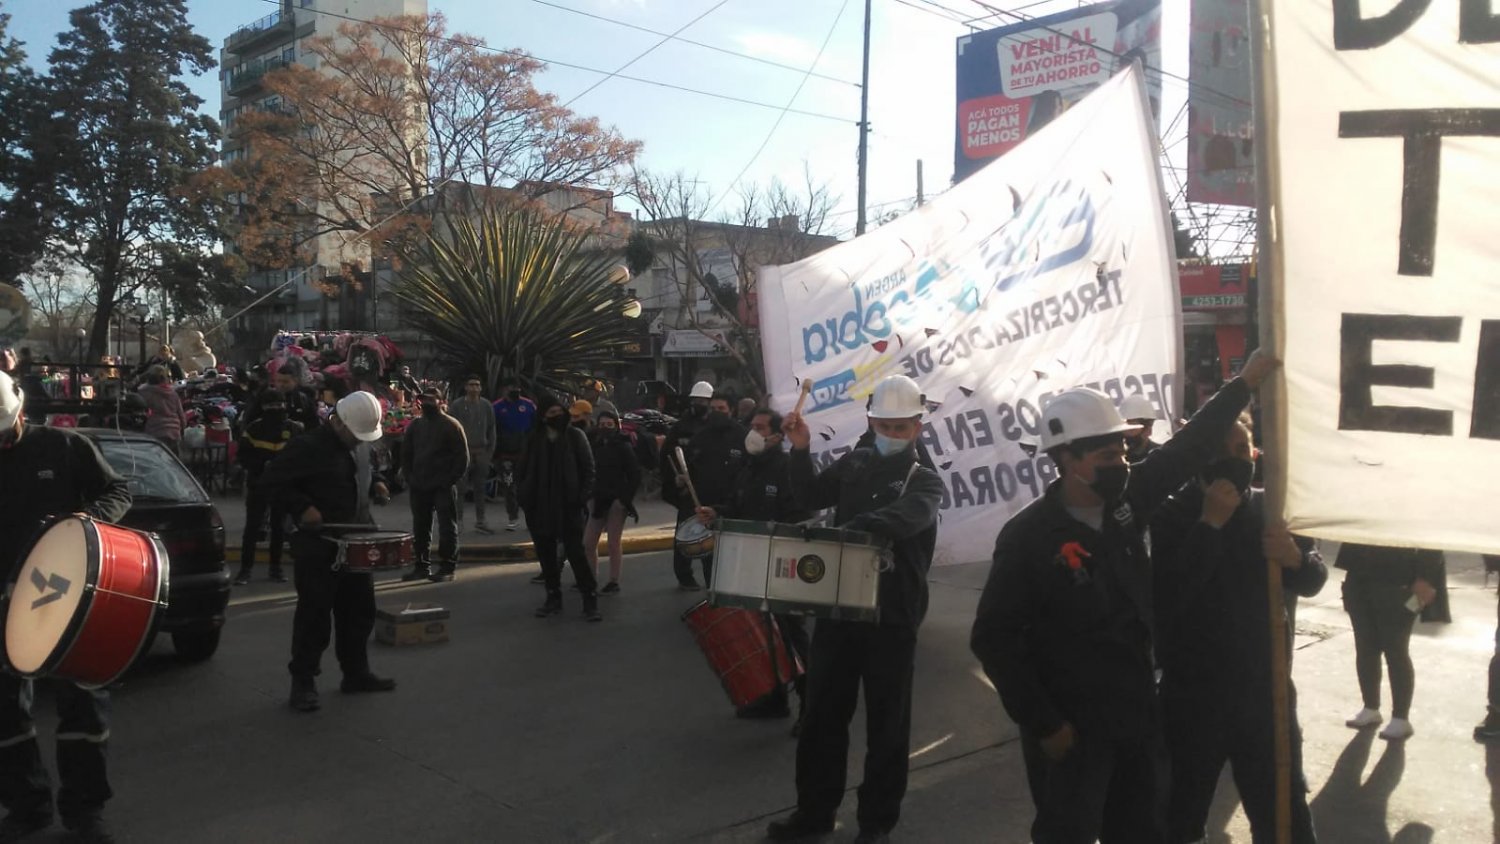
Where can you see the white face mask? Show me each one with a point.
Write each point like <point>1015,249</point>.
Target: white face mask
<point>754,442</point>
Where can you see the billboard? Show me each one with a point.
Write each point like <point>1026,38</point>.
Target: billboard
<point>1221,127</point>
<point>1213,288</point>
<point>1015,79</point>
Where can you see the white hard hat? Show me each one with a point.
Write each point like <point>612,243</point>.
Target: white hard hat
<point>702,390</point>
<point>11,400</point>
<point>361,414</point>
<point>1137,406</point>
<point>896,397</point>
<point>1078,414</point>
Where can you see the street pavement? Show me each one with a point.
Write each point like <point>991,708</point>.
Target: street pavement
<point>520,729</point>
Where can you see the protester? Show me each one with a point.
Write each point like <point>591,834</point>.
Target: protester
<point>263,439</point>
<point>434,458</point>
<point>581,415</point>
<point>594,395</point>
<point>617,474</point>
<point>744,412</point>
<point>1384,591</point>
<point>1488,730</point>
<point>1138,410</point>
<point>166,419</point>
<point>1210,542</point>
<point>47,473</point>
<point>477,416</point>
<point>515,416</point>
<point>1064,626</point>
<point>884,491</point>
<point>328,475</point>
<point>763,493</point>
<point>555,486</point>
<point>673,486</point>
<point>166,358</point>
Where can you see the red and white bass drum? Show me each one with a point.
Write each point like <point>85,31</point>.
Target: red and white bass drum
<point>85,600</point>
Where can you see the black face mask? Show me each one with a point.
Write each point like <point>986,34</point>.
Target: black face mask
<point>1109,481</point>
<point>582,424</point>
<point>274,416</point>
<point>558,423</point>
<point>1233,469</point>
<point>698,411</point>
<point>514,395</point>
<point>716,418</point>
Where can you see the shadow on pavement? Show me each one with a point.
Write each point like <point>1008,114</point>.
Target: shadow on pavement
<point>1357,809</point>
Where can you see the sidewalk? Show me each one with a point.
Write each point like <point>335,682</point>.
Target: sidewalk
<point>654,532</point>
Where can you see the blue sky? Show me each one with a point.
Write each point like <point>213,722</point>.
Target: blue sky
<point>911,86</point>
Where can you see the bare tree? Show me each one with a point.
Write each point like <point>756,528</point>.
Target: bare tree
<point>715,262</point>
<point>62,296</point>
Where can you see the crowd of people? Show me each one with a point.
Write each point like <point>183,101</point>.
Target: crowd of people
<point>1123,623</point>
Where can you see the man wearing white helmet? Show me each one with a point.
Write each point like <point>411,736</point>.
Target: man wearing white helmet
<point>884,491</point>
<point>47,472</point>
<point>714,448</point>
<point>328,476</point>
<point>1065,624</point>
<point>1139,411</point>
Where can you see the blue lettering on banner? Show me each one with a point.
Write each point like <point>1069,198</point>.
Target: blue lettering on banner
<point>1064,207</point>
<point>832,391</point>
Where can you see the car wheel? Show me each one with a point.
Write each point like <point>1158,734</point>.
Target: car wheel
<point>196,647</point>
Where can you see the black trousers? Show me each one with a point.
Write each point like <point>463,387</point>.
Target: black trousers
<point>444,502</point>
<point>82,739</point>
<point>1207,726</point>
<point>257,503</point>
<point>339,603</point>
<point>845,655</point>
<point>571,537</point>
<point>1102,790</point>
<point>1382,630</point>
<point>1494,699</point>
<point>682,566</point>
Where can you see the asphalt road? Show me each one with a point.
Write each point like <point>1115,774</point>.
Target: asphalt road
<point>522,729</point>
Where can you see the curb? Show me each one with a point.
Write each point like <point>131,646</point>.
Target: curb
<point>517,552</point>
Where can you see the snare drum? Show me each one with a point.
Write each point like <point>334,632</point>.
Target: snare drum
<point>787,568</point>
<point>373,551</point>
<point>744,649</point>
<point>85,601</point>
<point>695,540</point>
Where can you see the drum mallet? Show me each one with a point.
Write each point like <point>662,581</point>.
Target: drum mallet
<point>682,472</point>
<point>802,397</point>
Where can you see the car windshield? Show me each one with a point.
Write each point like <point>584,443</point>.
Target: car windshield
<point>153,473</point>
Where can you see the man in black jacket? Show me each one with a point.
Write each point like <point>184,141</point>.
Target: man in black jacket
<point>46,473</point>
<point>763,493</point>
<point>434,458</point>
<point>886,492</point>
<point>673,488</point>
<point>328,476</point>
<point>1209,543</point>
<point>714,449</point>
<point>554,486</point>
<point>262,440</point>
<point>1064,627</point>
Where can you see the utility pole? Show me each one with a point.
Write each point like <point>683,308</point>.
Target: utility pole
<point>864,127</point>
<point>920,198</point>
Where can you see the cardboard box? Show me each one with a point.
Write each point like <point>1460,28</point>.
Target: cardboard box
<point>413,624</point>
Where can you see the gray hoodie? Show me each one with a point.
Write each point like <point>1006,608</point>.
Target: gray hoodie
<point>478,418</point>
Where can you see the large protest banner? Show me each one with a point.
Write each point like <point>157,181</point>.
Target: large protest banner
<point>1013,79</point>
<point>1049,269</point>
<point>1382,128</point>
<point>1221,128</point>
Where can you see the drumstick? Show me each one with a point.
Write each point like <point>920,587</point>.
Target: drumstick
<point>683,473</point>
<point>802,398</point>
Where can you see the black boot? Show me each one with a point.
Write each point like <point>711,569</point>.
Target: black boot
<point>553,605</point>
<point>591,607</point>
<point>798,826</point>
<point>304,696</point>
<point>421,571</point>
<point>444,572</point>
<point>243,577</point>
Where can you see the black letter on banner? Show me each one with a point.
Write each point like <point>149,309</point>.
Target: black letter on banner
<point>1485,423</point>
<point>1357,374</point>
<point>1476,25</point>
<point>1353,32</point>
<point>1423,131</point>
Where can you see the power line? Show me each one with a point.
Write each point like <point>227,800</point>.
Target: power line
<point>936,14</point>
<point>523,54</point>
<point>649,50</point>
<point>717,49</point>
<point>793,98</point>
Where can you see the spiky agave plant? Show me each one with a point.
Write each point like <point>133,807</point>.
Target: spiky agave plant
<point>517,295</point>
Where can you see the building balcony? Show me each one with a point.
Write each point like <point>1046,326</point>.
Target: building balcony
<point>254,37</point>
<point>249,75</point>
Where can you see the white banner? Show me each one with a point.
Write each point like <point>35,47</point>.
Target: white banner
<point>1051,268</point>
<point>1384,131</point>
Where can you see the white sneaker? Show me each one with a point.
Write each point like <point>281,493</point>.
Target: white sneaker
<point>1365,718</point>
<point>1399,729</point>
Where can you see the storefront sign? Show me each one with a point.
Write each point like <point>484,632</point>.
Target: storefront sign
<point>1213,288</point>
<point>693,343</point>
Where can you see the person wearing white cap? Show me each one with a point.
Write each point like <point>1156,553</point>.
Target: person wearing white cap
<point>1064,629</point>
<point>1139,411</point>
<point>885,491</point>
<point>47,472</point>
<point>328,476</point>
<point>698,420</point>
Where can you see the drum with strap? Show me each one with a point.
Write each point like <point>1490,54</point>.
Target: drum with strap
<point>745,650</point>
<point>85,601</point>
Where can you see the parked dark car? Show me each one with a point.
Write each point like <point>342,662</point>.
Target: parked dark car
<point>171,503</point>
